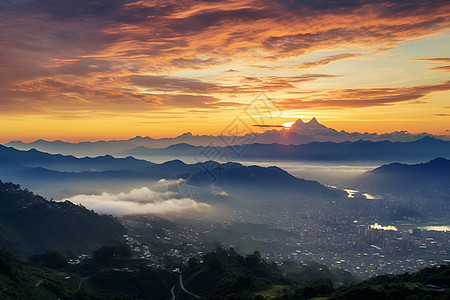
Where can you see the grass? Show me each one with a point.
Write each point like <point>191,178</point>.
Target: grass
<point>276,290</point>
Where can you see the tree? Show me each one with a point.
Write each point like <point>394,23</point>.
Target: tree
<point>193,262</point>
<point>50,259</point>
<point>214,262</point>
<point>104,253</point>
<point>124,250</point>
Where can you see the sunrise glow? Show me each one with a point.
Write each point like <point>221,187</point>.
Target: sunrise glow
<point>288,124</point>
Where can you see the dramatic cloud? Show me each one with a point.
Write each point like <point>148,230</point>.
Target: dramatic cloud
<point>440,59</point>
<point>327,60</point>
<point>437,60</point>
<point>351,98</point>
<point>139,201</point>
<point>66,59</point>
<point>442,68</point>
<point>253,85</point>
<point>172,84</point>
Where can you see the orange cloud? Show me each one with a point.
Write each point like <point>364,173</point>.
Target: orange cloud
<point>355,98</point>
<point>327,60</point>
<point>439,59</point>
<point>111,56</point>
<point>442,68</point>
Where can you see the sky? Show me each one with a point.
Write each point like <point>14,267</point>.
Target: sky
<point>113,69</point>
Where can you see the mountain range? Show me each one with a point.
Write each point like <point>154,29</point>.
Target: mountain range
<point>49,174</point>
<point>429,178</point>
<point>360,151</point>
<point>299,133</point>
<point>413,188</point>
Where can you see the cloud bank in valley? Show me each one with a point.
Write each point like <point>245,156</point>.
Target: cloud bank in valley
<point>139,201</point>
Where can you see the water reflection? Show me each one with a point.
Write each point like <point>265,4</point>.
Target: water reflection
<point>435,228</point>
<point>410,227</point>
<point>388,227</point>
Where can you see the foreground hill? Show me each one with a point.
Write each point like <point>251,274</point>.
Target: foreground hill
<point>21,279</point>
<point>222,274</point>
<point>225,272</point>
<point>428,283</point>
<point>30,224</point>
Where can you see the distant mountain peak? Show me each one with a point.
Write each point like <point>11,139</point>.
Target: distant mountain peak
<point>140,138</point>
<point>439,161</point>
<point>311,127</point>
<point>297,125</point>
<point>313,121</point>
<point>298,122</point>
<point>428,138</point>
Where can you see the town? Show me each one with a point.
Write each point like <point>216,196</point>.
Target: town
<point>364,250</point>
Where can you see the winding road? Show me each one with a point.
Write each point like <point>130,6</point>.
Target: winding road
<point>173,292</point>
<point>184,289</point>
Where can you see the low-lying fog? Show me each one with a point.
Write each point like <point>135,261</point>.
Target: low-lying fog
<point>162,197</point>
<point>325,173</point>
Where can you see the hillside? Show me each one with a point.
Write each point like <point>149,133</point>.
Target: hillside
<point>222,274</point>
<point>91,279</point>
<point>225,272</point>
<point>430,177</point>
<point>31,224</point>
<point>34,158</point>
<point>427,283</point>
<point>22,280</point>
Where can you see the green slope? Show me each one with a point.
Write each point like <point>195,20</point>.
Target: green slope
<point>31,224</point>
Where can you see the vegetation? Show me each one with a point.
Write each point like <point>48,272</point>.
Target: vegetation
<point>89,280</point>
<point>225,272</point>
<point>312,272</point>
<point>31,224</point>
<point>107,253</point>
<point>222,274</point>
<point>428,283</point>
<point>22,280</point>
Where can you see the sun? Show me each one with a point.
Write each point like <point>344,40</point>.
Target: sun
<point>288,124</point>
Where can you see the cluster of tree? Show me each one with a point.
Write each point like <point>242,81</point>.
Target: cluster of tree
<point>427,283</point>
<point>49,259</point>
<point>225,272</point>
<point>107,253</point>
<point>25,280</point>
<point>48,276</point>
<point>312,272</point>
<point>219,275</point>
